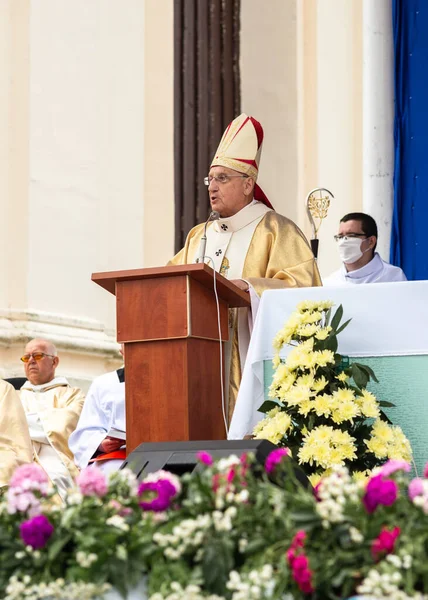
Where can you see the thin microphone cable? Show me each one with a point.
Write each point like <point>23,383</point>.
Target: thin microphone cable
<point>223,403</point>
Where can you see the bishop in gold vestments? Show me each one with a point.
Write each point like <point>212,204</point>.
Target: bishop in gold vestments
<point>250,243</point>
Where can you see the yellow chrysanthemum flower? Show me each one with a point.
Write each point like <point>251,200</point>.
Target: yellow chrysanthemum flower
<point>323,405</point>
<point>382,431</point>
<point>344,395</point>
<point>342,377</point>
<point>368,405</point>
<point>297,394</point>
<point>305,407</point>
<point>323,333</point>
<point>345,411</point>
<point>314,305</point>
<point>324,357</point>
<point>307,330</point>
<point>274,427</point>
<point>307,379</point>
<point>311,317</point>
<point>276,361</point>
<point>319,384</point>
<point>327,446</point>
<point>361,476</point>
<point>377,447</point>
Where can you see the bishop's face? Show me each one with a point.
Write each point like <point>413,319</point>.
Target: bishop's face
<point>229,190</point>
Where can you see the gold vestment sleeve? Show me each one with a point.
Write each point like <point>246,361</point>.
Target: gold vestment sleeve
<point>15,444</point>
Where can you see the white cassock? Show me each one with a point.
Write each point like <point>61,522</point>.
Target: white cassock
<point>376,271</point>
<point>103,410</point>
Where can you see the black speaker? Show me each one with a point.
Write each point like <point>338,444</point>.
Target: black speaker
<point>181,457</point>
<point>17,382</point>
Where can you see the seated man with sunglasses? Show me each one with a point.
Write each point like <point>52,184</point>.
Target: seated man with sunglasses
<point>356,244</point>
<point>52,408</point>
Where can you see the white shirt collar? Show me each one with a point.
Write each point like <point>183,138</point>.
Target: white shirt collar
<point>371,267</point>
<point>56,381</point>
<point>241,219</point>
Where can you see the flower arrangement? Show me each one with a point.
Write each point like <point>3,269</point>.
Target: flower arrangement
<point>320,408</point>
<point>232,530</point>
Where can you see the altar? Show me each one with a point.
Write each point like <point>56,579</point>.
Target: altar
<point>388,332</point>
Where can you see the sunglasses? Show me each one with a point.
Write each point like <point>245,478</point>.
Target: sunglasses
<point>36,355</point>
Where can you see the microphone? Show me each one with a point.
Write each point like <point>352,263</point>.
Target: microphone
<point>214,215</point>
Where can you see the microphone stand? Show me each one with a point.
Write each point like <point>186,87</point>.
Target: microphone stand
<point>202,247</point>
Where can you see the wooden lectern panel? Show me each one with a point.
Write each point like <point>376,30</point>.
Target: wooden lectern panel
<point>150,309</point>
<point>173,391</point>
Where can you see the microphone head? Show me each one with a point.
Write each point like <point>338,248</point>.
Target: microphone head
<point>214,215</point>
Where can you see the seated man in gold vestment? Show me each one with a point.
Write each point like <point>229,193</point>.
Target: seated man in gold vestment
<point>15,443</point>
<point>52,408</point>
<point>250,243</point>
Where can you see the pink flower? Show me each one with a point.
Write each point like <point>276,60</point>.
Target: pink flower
<point>395,465</point>
<point>426,471</point>
<point>26,485</point>
<point>158,490</point>
<point>123,511</point>
<point>92,482</point>
<point>36,531</point>
<point>299,563</point>
<point>416,488</point>
<point>231,474</point>
<point>30,477</point>
<point>379,491</point>
<point>205,458</point>
<point>216,481</point>
<point>385,542</point>
<point>274,458</point>
<point>156,495</point>
<point>22,502</point>
<point>299,539</point>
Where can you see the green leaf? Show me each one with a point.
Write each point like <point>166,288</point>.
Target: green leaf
<point>331,343</point>
<point>385,417</point>
<point>216,564</point>
<point>268,405</point>
<point>57,546</point>
<point>386,404</point>
<point>367,370</point>
<point>359,376</point>
<point>328,317</point>
<point>342,327</point>
<point>337,318</point>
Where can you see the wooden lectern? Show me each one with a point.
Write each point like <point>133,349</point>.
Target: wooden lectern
<point>167,319</point>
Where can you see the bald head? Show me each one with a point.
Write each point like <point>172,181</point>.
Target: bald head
<point>39,372</point>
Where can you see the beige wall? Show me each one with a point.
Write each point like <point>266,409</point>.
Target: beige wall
<point>77,138</point>
<point>307,69</point>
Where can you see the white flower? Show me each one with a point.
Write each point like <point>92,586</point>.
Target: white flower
<point>121,552</point>
<point>85,560</point>
<point>118,522</point>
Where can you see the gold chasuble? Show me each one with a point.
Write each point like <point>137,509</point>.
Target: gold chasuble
<point>15,443</point>
<point>52,410</point>
<point>267,250</point>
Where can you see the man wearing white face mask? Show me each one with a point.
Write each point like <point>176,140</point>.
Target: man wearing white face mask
<point>356,243</point>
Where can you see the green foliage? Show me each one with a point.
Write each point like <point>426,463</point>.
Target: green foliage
<point>319,406</point>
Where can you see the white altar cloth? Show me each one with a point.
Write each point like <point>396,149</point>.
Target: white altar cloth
<point>388,319</point>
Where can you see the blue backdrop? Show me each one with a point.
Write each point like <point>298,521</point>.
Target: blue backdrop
<point>409,242</point>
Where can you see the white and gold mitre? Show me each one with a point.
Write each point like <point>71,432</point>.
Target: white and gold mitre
<point>241,146</point>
